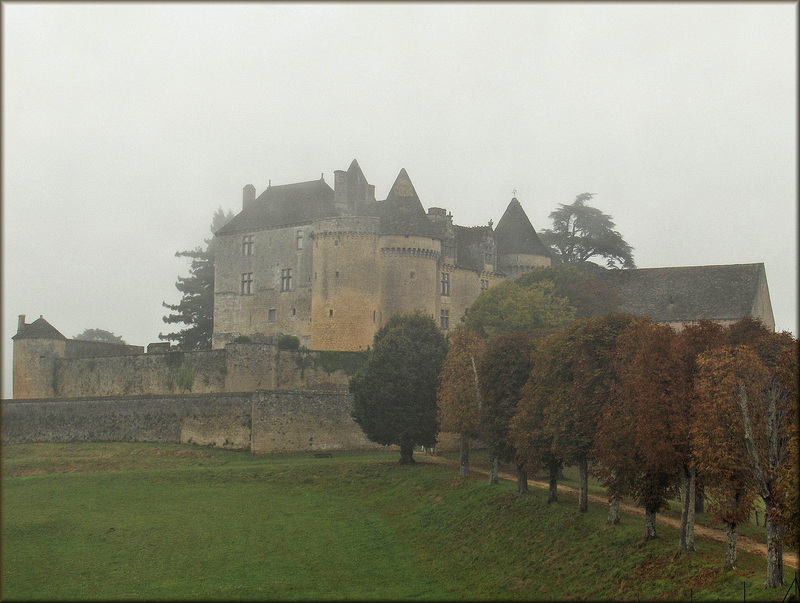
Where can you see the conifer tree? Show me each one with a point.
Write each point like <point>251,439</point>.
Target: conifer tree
<point>581,232</point>
<point>196,307</point>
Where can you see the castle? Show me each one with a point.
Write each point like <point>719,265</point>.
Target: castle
<point>331,265</point>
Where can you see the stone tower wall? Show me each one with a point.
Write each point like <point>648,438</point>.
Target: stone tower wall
<point>346,292</point>
<point>410,275</point>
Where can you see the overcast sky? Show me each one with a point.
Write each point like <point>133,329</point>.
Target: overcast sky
<point>126,125</point>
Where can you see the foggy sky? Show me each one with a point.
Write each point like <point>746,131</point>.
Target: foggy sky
<point>125,126</point>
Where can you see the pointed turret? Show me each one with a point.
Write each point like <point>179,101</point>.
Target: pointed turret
<point>402,212</point>
<point>515,233</point>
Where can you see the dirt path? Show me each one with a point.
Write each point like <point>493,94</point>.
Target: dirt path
<point>742,542</point>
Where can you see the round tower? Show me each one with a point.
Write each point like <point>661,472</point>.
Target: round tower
<point>346,291</point>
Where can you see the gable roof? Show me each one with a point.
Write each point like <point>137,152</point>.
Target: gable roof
<point>688,293</point>
<point>284,205</point>
<point>38,329</point>
<point>515,233</point>
<point>402,212</point>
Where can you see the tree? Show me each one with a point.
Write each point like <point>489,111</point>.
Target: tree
<point>590,297</point>
<point>458,397</point>
<point>757,384</point>
<point>99,335</point>
<point>395,391</point>
<point>691,342</point>
<point>588,373</point>
<point>503,372</point>
<point>196,308</point>
<point>716,437</point>
<point>643,410</point>
<point>581,232</point>
<point>531,428</point>
<point>511,308</point>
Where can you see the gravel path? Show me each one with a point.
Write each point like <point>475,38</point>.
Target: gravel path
<point>743,543</point>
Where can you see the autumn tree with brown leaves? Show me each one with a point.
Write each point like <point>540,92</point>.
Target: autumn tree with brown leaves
<point>458,397</point>
<point>503,372</point>
<point>757,384</point>
<point>588,374</point>
<point>692,341</point>
<point>643,410</point>
<point>531,429</point>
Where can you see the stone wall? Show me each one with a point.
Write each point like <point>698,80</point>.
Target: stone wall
<point>264,422</point>
<point>41,371</point>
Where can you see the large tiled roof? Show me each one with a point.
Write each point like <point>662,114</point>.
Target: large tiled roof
<point>515,233</point>
<point>39,329</point>
<point>726,292</point>
<point>402,212</point>
<point>283,205</point>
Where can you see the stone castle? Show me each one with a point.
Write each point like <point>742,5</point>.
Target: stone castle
<point>331,265</point>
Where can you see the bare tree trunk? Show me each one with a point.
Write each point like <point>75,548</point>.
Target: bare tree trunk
<point>699,498</point>
<point>649,523</point>
<point>494,468</point>
<point>464,455</point>
<point>730,546</point>
<point>553,470</point>
<point>687,512</point>
<point>583,473</point>
<point>774,554</point>
<point>522,480</point>
<point>613,511</point>
<point>407,454</point>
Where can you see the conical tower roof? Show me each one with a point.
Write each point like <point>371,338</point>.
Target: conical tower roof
<point>402,211</point>
<point>515,233</point>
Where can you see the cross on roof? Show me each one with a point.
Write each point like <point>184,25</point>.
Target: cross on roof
<point>514,192</point>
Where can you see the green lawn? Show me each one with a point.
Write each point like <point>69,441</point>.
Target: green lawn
<point>152,521</point>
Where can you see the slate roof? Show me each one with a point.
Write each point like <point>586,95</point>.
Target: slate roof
<point>726,292</point>
<point>515,233</point>
<point>39,329</point>
<point>402,212</point>
<point>468,240</point>
<point>283,205</point>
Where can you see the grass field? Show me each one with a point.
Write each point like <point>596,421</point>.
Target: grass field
<point>156,521</point>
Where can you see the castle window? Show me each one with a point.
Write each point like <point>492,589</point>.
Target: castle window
<point>299,239</point>
<point>445,284</point>
<point>247,245</point>
<point>336,243</point>
<point>484,284</point>
<point>286,279</point>
<point>373,316</point>
<point>294,311</point>
<point>247,283</point>
<point>412,275</point>
<point>444,319</point>
<point>272,315</point>
<point>337,274</point>
<point>330,313</point>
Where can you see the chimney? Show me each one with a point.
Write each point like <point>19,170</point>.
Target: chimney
<point>248,195</point>
<point>20,322</point>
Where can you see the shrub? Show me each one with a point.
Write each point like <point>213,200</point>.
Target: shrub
<point>288,342</point>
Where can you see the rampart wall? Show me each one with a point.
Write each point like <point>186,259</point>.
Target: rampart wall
<point>264,421</point>
<point>42,372</point>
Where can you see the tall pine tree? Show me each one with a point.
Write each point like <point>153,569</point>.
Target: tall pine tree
<point>196,308</point>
